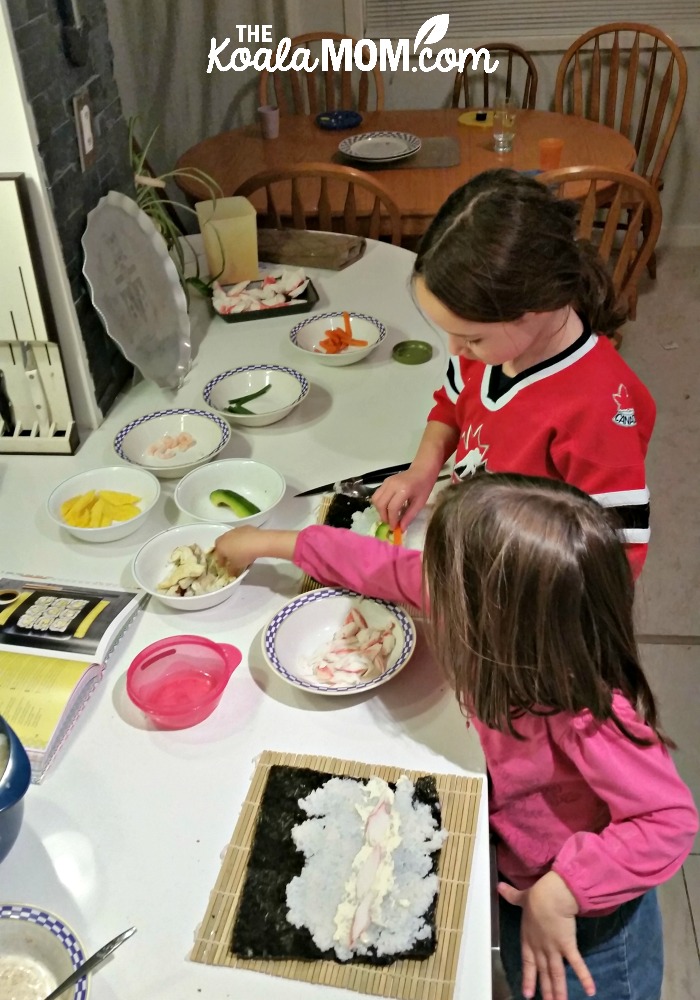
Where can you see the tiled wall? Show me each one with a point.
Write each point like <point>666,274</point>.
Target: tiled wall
<point>51,82</point>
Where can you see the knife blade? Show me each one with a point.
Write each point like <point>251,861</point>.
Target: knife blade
<point>376,476</point>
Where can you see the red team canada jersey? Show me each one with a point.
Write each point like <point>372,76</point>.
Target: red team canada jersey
<point>582,417</point>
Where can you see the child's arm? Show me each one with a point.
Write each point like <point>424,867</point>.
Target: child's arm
<point>240,547</point>
<point>334,557</point>
<point>653,820</point>
<point>338,557</point>
<point>401,497</point>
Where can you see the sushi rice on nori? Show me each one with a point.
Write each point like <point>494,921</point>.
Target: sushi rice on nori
<point>300,887</point>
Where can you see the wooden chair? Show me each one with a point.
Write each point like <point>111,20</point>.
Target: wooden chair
<point>513,62</point>
<point>303,93</point>
<point>624,236</point>
<point>328,197</point>
<point>638,89</point>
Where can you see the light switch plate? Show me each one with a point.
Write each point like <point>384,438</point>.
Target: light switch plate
<point>84,126</point>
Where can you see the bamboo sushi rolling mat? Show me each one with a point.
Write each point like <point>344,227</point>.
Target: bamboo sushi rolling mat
<point>433,978</point>
<point>308,583</point>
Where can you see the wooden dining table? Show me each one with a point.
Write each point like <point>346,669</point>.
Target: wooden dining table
<point>232,157</point>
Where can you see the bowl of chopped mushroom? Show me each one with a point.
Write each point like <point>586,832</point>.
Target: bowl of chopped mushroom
<point>179,568</point>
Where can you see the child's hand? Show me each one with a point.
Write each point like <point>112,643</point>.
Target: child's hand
<point>238,548</point>
<point>548,936</point>
<point>401,497</point>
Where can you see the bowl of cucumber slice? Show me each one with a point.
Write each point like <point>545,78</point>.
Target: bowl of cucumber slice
<point>233,491</point>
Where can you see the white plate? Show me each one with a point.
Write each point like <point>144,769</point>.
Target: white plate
<point>136,289</point>
<point>303,625</point>
<point>384,146</point>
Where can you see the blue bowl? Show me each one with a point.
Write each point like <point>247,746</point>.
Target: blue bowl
<point>14,782</point>
<point>336,120</point>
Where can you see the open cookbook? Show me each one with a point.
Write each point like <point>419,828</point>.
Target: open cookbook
<point>55,641</point>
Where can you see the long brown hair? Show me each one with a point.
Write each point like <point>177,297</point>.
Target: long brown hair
<point>503,245</point>
<point>530,596</point>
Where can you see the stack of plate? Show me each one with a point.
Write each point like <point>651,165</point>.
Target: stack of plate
<point>380,147</point>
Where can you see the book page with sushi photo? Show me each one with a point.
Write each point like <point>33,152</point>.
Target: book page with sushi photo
<point>56,638</point>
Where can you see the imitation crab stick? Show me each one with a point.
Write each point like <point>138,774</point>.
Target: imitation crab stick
<point>339,339</point>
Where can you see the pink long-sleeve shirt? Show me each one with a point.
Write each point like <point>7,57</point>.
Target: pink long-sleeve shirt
<point>613,819</point>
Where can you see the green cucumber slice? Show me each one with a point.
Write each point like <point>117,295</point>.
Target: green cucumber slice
<point>240,506</point>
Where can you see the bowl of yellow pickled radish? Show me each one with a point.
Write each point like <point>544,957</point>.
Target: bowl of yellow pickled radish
<point>104,505</point>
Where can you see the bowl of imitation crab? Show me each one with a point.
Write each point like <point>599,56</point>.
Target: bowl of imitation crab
<point>338,338</point>
<point>332,641</point>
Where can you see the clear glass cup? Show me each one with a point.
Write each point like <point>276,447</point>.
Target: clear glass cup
<point>504,119</point>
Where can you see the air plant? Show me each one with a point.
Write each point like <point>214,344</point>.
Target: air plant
<point>163,212</point>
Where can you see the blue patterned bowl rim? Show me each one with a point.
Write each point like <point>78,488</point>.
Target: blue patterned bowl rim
<point>35,915</point>
<point>301,379</point>
<point>408,631</point>
<point>293,333</point>
<point>221,424</point>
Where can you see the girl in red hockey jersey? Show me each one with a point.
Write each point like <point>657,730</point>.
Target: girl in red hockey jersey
<point>534,384</point>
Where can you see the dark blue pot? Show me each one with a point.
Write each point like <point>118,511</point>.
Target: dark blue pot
<point>14,782</point>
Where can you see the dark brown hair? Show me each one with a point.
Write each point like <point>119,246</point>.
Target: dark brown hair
<point>503,245</point>
<point>530,596</point>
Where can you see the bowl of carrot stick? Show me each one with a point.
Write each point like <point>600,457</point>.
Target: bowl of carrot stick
<point>338,338</point>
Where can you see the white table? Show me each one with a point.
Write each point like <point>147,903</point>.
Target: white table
<point>130,822</point>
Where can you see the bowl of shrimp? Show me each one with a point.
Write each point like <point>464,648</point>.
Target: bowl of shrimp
<point>170,443</point>
<point>338,338</point>
<point>332,641</point>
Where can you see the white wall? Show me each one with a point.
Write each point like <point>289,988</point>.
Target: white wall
<point>18,154</point>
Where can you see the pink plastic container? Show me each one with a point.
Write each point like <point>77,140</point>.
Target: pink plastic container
<point>179,681</point>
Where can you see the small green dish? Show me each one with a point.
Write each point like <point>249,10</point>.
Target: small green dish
<point>412,352</point>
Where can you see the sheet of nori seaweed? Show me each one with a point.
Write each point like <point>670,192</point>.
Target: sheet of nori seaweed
<point>341,509</point>
<point>261,929</point>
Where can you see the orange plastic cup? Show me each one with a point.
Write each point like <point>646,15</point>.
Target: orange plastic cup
<point>550,153</point>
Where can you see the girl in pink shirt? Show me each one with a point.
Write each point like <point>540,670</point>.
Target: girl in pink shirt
<point>530,617</point>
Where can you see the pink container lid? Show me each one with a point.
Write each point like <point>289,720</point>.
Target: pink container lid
<point>179,681</point>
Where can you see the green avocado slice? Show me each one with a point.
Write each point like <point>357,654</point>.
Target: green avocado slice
<point>234,501</point>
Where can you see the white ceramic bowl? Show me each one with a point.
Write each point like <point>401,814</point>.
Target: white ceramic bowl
<point>43,947</point>
<point>152,564</point>
<point>209,431</point>
<point>287,389</point>
<point>307,335</point>
<point>306,624</point>
<point>122,479</point>
<point>261,484</point>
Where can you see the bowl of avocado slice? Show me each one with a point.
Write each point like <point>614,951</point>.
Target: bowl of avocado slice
<point>235,490</point>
